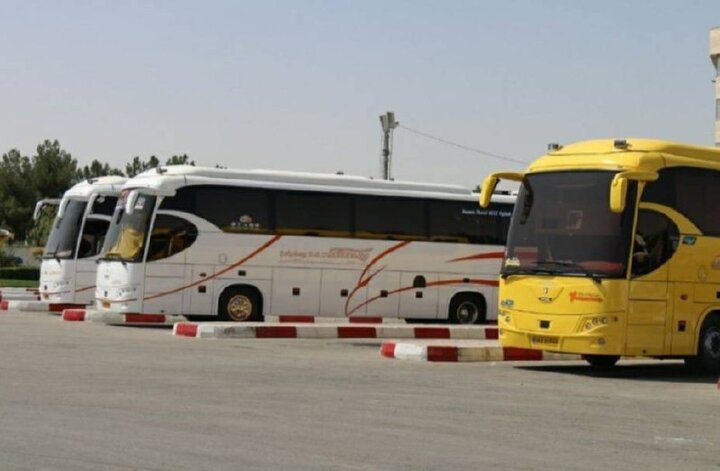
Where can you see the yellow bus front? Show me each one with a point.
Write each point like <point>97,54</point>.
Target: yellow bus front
<point>564,282</point>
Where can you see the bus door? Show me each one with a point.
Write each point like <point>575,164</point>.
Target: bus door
<point>165,267</point>
<point>649,313</point>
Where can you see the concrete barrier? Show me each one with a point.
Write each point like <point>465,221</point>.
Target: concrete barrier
<point>467,353</point>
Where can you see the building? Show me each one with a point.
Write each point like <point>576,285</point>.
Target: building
<point>715,58</point>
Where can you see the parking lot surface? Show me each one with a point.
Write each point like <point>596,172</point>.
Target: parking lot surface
<point>83,396</point>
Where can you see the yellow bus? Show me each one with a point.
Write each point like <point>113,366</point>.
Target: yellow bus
<point>614,249</point>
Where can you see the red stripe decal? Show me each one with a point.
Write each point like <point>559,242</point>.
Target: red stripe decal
<point>276,332</point>
<point>80,290</point>
<point>479,256</point>
<point>442,353</point>
<point>356,332</point>
<point>388,350</point>
<point>365,320</point>
<point>299,319</point>
<point>491,333</point>
<point>73,315</point>
<point>224,270</point>
<point>432,333</point>
<point>521,354</point>
<point>145,318</point>
<point>186,330</point>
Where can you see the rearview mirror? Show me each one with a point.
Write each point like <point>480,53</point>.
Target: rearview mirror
<point>491,181</point>
<point>130,202</point>
<point>619,186</point>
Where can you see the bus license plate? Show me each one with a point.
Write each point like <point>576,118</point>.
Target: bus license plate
<point>544,340</point>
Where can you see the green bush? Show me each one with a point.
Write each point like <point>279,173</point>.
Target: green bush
<point>20,273</point>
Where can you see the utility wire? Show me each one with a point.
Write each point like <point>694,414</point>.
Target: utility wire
<point>467,148</point>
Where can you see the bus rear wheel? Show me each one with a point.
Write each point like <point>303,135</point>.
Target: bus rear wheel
<point>240,305</point>
<point>601,361</point>
<point>707,359</point>
<point>467,309</point>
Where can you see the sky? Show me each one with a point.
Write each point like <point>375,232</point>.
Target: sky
<point>299,85</point>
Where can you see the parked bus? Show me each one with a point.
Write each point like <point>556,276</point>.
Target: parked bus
<point>614,249</point>
<point>242,245</point>
<point>69,262</point>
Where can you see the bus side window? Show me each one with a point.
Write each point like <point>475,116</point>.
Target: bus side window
<point>170,235</point>
<point>656,239</point>
<point>92,238</point>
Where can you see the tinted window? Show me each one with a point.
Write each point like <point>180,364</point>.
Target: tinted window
<point>691,191</point>
<point>390,218</point>
<point>93,237</point>
<point>104,205</point>
<point>170,235</point>
<point>466,222</point>
<point>229,208</point>
<point>303,213</point>
<point>656,239</point>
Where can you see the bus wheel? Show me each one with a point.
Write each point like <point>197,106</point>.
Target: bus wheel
<point>708,353</point>
<point>240,305</point>
<point>467,309</point>
<point>601,361</point>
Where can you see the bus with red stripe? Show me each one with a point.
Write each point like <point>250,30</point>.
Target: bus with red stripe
<point>69,261</point>
<point>245,244</point>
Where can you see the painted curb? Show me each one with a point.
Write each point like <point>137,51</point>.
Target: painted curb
<point>118,318</point>
<point>260,330</point>
<point>450,353</point>
<point>34,306</point>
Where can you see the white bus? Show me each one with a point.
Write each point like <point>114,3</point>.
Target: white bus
<point>69,263</point>
<point>242,245</point>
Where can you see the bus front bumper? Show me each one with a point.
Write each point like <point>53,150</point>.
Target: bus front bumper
<point>590,337</point>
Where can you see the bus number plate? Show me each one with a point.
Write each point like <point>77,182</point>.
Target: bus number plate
<point>543,340</point>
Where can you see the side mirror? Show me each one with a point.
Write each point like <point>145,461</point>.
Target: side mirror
<point>61,208</point>
<point>488,187</point>
<point>130,202</point>
<point>491,181</point>
<point>618,194</point>
<point>38,207</point>
<point>619,185</point>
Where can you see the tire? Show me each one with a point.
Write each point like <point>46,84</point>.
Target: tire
<point>467,309</point>
<point>601,361</point>
<point>707,359</point>
<point>240,305</point>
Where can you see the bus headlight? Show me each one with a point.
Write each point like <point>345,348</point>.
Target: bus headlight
<point>592,322</point>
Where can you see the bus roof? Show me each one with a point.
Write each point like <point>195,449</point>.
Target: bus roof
<point>626,153</point>
<point>172,177</point>
<point>110,185</point>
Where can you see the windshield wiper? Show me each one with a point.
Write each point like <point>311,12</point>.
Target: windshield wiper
<point>571,264</point>
<point>510,271</point>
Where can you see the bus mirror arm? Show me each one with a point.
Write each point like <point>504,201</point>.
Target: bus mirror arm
<point>491,181</point>
<point>619,185</point>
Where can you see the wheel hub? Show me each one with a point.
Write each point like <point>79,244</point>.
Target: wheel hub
<point>712,343</point>
<point>239,307</point>
<point>467,313</point>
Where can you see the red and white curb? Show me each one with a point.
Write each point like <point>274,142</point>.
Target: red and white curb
<point>19,296</point>
<point>311,319</point>
<point>260,330</point>
<point>467,353</point>
<point>33,306</point>
<point>118,318</point>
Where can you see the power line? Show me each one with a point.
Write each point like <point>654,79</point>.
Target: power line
<point>461,146</point>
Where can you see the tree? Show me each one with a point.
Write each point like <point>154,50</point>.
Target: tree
<point>97,169</point>
<point>53,169</point>
<point>136,166</point>
<point>17,192</point>
<point>181,159</point>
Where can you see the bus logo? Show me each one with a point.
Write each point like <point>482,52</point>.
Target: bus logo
<point>587,297</point>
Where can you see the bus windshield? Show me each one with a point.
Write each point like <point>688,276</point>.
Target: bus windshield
<point>125,240</point>
<point>64,234</point>
<point>562,224</point>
